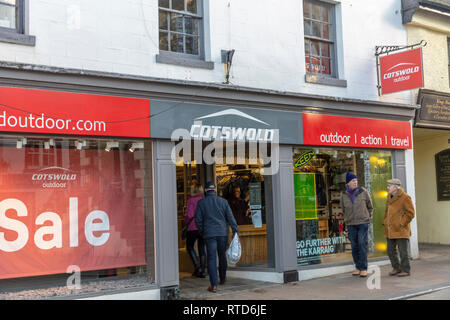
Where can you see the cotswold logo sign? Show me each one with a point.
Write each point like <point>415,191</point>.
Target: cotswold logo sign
<point>54,177</point>
<point>208,132</point>
<point>252,141</point>
<point>401,71</point>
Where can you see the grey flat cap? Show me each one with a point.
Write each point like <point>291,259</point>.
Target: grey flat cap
<point>395,182</point>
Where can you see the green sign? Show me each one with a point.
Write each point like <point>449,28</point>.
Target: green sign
<point>304,159</point>
<point>305,195</point>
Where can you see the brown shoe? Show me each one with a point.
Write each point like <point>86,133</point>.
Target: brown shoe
<point>394,272</point>
<point>212,289</point>
<point>363,273</point>
<point>403,274</point>
<point>356,273</point>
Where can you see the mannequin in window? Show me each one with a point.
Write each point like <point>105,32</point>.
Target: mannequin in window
<point>239,206</point>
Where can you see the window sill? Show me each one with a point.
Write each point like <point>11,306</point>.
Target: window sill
<point>319,79</point>
<point>168,58</point>
<point>17,38</point>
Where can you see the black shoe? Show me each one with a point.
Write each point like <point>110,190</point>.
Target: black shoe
<point>222,281</point>
<point>212,289</point>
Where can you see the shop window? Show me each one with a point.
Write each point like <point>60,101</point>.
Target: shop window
<point>12,22</point>
<point>80,204</point>
<point>319,179</point>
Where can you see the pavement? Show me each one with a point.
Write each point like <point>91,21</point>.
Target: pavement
<point>429,280</point>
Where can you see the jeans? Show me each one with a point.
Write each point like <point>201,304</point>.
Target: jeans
<point>402,245</point>
<point>358,239</point>
<point>216,246</point>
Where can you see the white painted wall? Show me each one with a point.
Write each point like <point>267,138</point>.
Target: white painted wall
<point>122,36</point>
<point>433,216</point>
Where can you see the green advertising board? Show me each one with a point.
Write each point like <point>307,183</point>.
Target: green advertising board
<point>305,196</point>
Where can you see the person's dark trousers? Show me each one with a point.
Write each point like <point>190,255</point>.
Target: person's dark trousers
<point>402,245</point>
<point>358,239</point>
<point>191,237</point>
<point>216,247</point>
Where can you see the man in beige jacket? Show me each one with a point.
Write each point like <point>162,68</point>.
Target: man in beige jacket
<point>397,217</point>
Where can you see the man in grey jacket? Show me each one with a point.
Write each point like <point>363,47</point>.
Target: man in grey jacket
<point>357,207</point>
<point>212,216</point>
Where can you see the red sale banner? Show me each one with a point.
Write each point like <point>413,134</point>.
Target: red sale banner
<point>42,111</point>
<point>326,130</point>
<point>85,212</point>
<point>401,71</point>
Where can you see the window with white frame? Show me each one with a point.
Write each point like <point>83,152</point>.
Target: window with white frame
<point>319,38</point>
<point>11,15</point>
<point>180,25</point>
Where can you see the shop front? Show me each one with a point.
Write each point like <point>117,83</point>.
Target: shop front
<point>339,145</point>
<point>282,173</point>
<point>74,181</point>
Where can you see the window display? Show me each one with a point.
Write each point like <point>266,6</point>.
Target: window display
<point>66,202</point>
<point>319,179</point>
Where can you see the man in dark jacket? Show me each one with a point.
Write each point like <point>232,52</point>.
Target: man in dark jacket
<point>212,216</point>
<point>357,207</point>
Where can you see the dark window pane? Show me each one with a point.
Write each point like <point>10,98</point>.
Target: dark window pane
<point>163,3</point>
<point>314,64</point>
<point>307,64</point>
<point>325,49</point>
<point>163,20</point>
<point>192,6</point>
<point>325,15</point>
<point>163,41</point>
<point>307,47</point>
<point>178,5</point>
<point>176,22</point>
<point>306,9</point>
<point>192,45</point>
<point>326,31</point>
<point>307,26</point>
<point>7,16</point>
<point>176,43</point>
<point>315,30</point>
<point>191,26</point>
<point>326,66</point>
<point>315,48</point>
<point>315,11</point>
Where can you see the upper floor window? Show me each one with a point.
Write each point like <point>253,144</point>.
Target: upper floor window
<point>319,38</point>
<point>12,23</point>
<point>11,15</point>
<point>179,26</point>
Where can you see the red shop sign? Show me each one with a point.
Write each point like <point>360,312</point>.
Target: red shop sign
<point>326,130</point>
<point>77,215</point>
<point>401,71</point>
<point>54,112</point>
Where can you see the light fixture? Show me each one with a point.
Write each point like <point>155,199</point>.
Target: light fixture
<point>80,144</point>
<point>19,144</point>
<point>51,142</point>
<point>136,145</point>
<point>111,144</point>
<point>24,141</point>
<point>46,145</point>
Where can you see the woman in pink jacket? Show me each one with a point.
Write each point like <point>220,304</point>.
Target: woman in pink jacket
<point>193,233</point>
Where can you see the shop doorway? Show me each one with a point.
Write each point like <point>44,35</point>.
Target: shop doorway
<point>248,193</point>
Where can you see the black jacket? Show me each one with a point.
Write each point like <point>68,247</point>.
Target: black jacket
<point>212,215</point>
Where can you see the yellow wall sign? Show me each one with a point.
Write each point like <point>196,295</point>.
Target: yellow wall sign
<point>304,159</point>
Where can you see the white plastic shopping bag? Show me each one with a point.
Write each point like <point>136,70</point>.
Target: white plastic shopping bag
<point>234,251</point>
